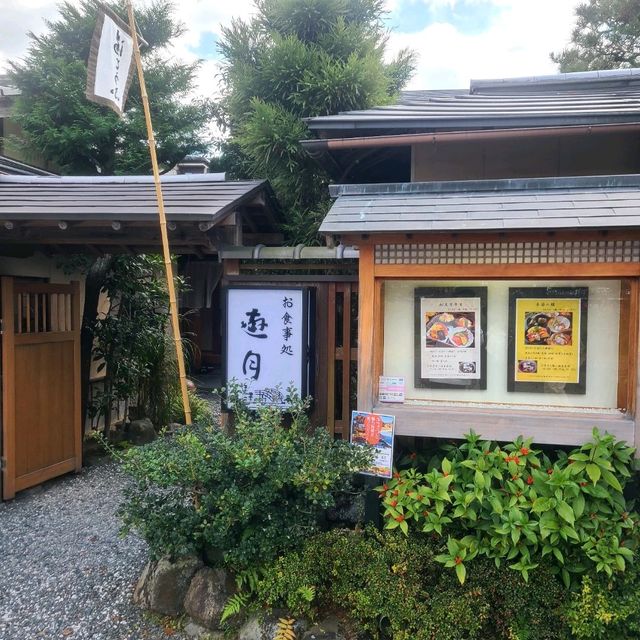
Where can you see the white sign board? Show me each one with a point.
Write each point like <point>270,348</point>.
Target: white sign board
<point>266,343</point>
<point>110,67</point>
<point>391,389</point>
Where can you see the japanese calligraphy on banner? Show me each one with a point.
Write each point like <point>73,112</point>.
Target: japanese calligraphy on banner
<point>267,343</point>
<point>547,339</point>
<point>377,431</point>
<point>110,65</point>
<point>450,325</point>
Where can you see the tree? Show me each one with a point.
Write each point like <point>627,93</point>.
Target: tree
<point>80,137</point>
<point>606,36</point>
<point>297,59</point>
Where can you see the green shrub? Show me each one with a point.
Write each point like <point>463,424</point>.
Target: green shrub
<point>393,587</point>
<point>514,505</point>
<point>243,498</point>
<point>606,608</point>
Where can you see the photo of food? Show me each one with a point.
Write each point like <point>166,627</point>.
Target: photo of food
<point>549,329</point>
<point>454,330</point>
<point>528,366</point>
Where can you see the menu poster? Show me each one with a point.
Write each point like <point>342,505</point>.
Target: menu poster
<point>450,338</point>
<point>548,339</point>
<point>378,432</point>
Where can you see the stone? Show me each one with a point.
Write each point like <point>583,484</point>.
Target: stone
<point>163,585</point>
<point>193,630</point>
<point>141,431</point>
<point>264,626</point>
<point>327,629</point>
<point>208,593</point>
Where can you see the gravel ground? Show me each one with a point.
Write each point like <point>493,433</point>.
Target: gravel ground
<point>64,571</point>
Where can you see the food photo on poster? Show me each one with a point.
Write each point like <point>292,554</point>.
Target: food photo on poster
<point>450,337</point>
<point>377,431</point>
<point>548,339</point>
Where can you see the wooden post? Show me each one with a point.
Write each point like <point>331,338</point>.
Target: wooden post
<point>366,329</point>
<point>8,390</point>
<point>173,305</point>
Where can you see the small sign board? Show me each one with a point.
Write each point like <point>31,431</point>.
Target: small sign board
<point>391,389</point>
<point>378,431</point>
<point>266,343</point>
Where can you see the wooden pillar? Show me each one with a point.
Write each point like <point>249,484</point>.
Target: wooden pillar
<point>366,329</point>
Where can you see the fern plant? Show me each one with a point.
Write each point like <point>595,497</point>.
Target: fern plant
<point>285,630</point>
<point>234,605</point>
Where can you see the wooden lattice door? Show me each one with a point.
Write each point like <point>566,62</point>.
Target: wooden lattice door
<point>41,415</point>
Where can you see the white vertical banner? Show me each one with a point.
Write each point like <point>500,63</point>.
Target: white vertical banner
<point>266,343</point>
<point>110,64</point>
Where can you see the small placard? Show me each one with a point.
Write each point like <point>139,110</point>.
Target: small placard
<point>391,389</point>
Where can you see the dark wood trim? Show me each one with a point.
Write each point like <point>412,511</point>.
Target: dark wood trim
<point>445,237</point>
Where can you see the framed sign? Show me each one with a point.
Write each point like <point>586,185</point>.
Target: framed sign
<point>391,389</point>
<point>450,337</point>
<point>548,339</point>
<point>378,431</point>
<point>266,337</point>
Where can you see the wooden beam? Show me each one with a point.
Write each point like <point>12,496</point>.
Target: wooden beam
<point>366,329</point>
<point>577,270</point>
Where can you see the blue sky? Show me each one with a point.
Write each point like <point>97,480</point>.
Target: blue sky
<point>467,16</point>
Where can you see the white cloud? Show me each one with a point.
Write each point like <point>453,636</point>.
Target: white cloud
<point>518,43</point>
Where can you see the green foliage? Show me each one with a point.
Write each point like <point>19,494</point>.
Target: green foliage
<point>606,36</point>
<point>297,59</point>
<point>247,496</point>
<point>234,605</point>
<point>606,608</point>
<point>514,505</point>
<point>131,340</point>
<point>80,137</point>
<point>393,587</point>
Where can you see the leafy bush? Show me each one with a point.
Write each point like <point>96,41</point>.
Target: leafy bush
<point>243,498</point>
<point>393,587</point>
<point>605,608</point>
<point>513,504</point>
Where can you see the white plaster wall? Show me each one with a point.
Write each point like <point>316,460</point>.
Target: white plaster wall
<point>602,344</point>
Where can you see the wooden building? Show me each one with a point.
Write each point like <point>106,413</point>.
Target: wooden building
<point>43,217</point>
<point>499,240</point>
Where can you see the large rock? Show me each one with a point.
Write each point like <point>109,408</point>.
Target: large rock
<point>264,627</point>
<point>327,629</point>
<point>193,630</point>
<point>141,431</point>
<point>163,585</point>
<point>208,593</point>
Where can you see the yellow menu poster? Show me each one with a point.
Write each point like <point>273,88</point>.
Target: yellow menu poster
<point>547,340</point>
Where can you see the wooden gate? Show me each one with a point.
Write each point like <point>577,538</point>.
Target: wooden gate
<point>41,415</point>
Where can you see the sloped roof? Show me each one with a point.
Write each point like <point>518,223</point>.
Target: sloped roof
<point>486,205</point>
<point>598,97</point>
<point>121,212</point>
<point>9,166</point>
<point>192,197</point>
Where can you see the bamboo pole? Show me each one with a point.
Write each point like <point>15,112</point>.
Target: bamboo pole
<point>163,220</point>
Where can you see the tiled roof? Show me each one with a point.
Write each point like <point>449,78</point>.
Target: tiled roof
<point>487,205</point>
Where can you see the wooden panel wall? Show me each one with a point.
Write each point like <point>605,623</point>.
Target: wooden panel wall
<point>574,156</point>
